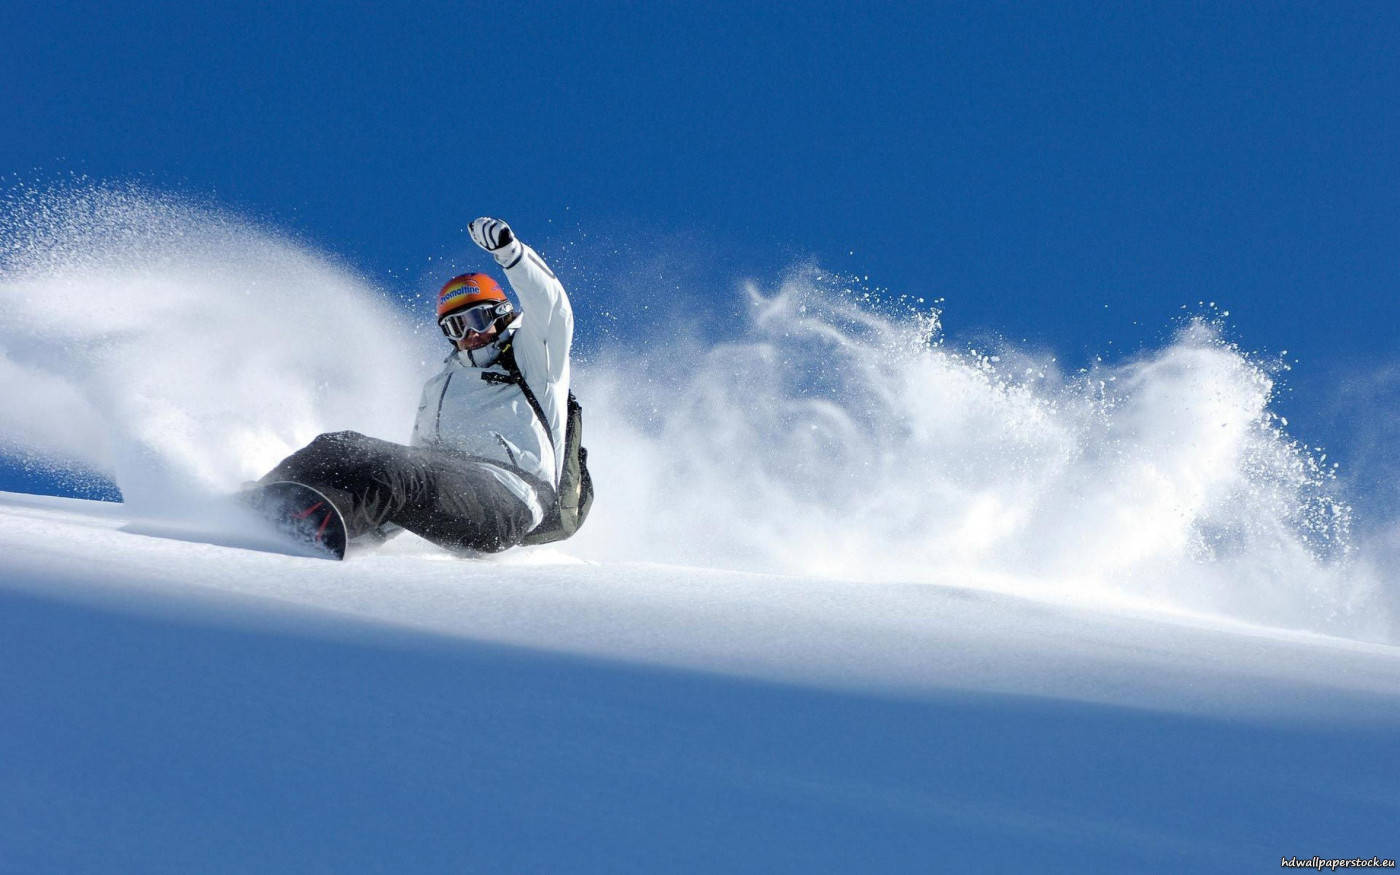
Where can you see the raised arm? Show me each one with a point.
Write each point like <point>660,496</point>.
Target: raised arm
<point>548,316</point>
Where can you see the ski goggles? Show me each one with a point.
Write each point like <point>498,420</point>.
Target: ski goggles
<point>478,319</point>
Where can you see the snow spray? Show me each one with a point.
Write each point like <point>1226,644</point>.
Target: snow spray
<point>179,350</point>
<point>832,439</point>
<point>172,347</point>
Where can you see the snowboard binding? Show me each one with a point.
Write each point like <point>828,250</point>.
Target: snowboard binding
<point>301,514</point>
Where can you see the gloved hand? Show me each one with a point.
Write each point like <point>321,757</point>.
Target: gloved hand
<point>495,237</point>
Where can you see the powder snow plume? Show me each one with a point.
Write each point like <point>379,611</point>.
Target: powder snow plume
<point>174,348</point>
<point>178,351</point>
<point>835,437</point>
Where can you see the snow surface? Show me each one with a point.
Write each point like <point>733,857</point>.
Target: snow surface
<point>171,704</point>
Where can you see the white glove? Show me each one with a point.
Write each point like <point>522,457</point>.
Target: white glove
<point>495,237</point>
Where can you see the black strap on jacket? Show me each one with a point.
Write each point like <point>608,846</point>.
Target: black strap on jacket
<point>513,375</point>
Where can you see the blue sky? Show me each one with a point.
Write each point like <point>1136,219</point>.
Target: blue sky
<point>1070,174</point>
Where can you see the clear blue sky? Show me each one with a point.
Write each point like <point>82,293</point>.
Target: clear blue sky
<point>1069,173</point>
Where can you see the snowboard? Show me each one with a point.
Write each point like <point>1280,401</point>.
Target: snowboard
<point>302,515</point>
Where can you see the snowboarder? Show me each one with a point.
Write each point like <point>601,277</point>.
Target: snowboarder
<point>490,442</point>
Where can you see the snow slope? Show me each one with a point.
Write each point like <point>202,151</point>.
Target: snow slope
<point>177,705</point>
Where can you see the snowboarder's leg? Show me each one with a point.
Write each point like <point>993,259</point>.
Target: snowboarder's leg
<point>464,507</point>
<point>345,467</point>
<point>450,500</point>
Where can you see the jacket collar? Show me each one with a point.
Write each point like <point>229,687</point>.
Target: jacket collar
<point>487,355</point>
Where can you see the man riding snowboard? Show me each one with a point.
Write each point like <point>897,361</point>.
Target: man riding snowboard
<point>493,428</point>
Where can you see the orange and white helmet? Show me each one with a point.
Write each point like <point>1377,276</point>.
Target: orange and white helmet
<point>472,302</point>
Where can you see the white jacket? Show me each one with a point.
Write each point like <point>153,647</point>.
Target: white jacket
<point>461,411</point>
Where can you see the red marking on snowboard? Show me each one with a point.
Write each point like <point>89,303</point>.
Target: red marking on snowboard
<point>301,514</point>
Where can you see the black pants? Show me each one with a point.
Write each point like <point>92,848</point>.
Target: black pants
<point>449,499</point>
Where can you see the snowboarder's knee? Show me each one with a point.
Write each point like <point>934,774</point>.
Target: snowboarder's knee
<point>340,438</point>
